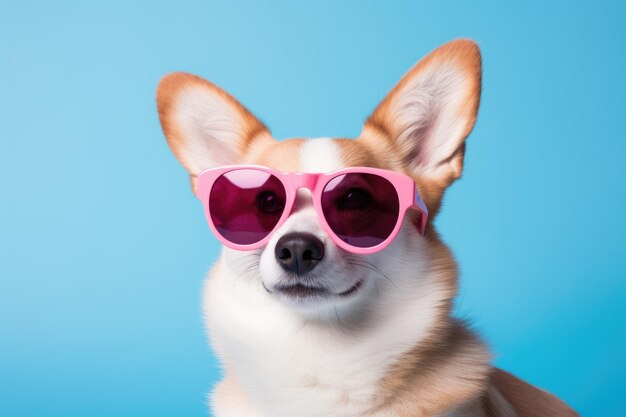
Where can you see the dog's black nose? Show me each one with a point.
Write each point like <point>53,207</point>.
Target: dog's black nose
<point>299,252</point>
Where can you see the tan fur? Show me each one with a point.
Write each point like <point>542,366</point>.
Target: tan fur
<point>465,56</point>
<point>175,83</point>
<point>354,154</point>
<point>529,401</point>
<point>380,128</point>
<point>254,132</point>
<point>450,369</point>
<point>430,379</point>
<point>284,155</point>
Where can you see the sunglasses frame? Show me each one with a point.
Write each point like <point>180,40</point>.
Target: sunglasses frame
<point>408,197</point>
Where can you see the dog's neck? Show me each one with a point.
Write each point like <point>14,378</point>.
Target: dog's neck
<point>416,360</point>
<point>443,374</point>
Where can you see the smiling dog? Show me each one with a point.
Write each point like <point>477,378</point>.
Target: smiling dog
<point>304,326</point>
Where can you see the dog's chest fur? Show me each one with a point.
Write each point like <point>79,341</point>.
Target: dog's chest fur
<point>286,366</point>
<point>391,348</point>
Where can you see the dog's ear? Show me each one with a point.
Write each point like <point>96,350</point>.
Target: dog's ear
<point>205,126</point>
<point>427,116</point>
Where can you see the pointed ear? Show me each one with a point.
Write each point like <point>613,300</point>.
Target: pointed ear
<point>205,126</point>
<point>427,116</point>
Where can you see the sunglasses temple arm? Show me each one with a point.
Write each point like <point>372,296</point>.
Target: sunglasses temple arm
<point>421,206</point>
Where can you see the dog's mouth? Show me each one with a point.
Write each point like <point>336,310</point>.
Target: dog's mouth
<point>304,292</point>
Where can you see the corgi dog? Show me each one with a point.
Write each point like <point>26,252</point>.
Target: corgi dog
<point>333,293</point>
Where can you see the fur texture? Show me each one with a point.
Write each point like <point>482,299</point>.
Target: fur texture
<point>391,348</point>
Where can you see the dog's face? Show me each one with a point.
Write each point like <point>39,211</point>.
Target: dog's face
<point>419,129</point>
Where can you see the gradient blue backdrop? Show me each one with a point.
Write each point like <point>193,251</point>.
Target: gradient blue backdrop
<point>103,248</point>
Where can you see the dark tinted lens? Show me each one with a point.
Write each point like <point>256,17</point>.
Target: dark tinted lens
<point>362,209</point>
<point>246,204</point>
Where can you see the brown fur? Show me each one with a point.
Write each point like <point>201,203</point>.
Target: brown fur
<point>284,155</point>
<point>171,86</point>
<point>450,369</point>
<point>465,56</point>
<point>254,132</point>
<point>380,129</point>
<point>529,401</point>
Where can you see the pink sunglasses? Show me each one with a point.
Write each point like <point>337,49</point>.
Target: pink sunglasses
<point>361,209</point>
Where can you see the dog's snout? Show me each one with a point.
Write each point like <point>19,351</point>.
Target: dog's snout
<point>299,252</point>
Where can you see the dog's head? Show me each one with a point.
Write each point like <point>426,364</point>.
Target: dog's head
<point>419,129</point>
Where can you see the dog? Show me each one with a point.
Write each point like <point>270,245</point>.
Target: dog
<point>305,319</point>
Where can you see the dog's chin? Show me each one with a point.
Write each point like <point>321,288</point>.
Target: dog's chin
<point>302,295</point>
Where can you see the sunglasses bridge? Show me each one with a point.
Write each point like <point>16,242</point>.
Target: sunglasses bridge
<point>238,233</point>
<point>304,180</point>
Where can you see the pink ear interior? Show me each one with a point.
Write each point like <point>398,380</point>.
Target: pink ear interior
<point>204,126</point>
<point>432,110</point>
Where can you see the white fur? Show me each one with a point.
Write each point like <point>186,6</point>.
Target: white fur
<point>211,128</point>
<point>331,272</point>
<point>427,113</point>
<point>277,353</point>
<point>324,360</point>
<point>326,357</point>
<point>320,155</point>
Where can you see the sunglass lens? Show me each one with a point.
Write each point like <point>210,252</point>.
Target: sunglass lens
<point>362,209</point>
<point>246,204</point>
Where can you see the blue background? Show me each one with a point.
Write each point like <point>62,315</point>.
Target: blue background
<point>103,249</point>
